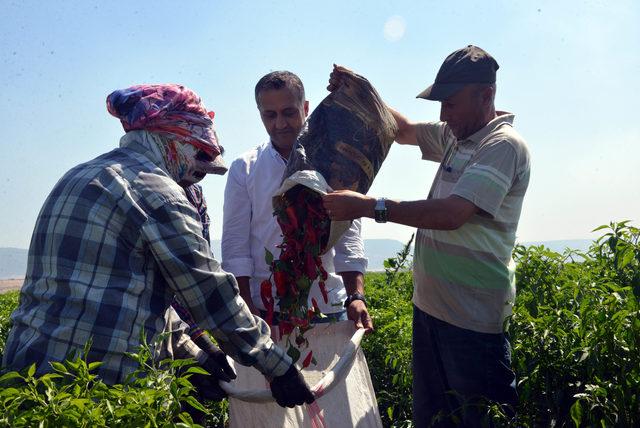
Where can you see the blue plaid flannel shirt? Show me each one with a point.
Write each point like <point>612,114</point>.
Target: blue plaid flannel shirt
<point>114,242</point>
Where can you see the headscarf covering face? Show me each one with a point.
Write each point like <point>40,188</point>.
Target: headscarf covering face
<point>177,115</point>
<point>182,161</point>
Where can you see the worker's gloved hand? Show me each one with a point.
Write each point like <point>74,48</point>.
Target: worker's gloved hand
<point>290,389</point>
<point>218,367</point>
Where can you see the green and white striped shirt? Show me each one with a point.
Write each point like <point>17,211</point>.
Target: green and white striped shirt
<point>466,277</point>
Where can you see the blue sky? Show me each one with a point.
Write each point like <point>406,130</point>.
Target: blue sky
<point>568,70</point>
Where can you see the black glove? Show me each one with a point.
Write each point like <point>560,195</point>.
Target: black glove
<point>218,367</point>
<point>290,389</point>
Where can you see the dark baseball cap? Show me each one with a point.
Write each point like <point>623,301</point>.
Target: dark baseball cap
<point>462,67</point>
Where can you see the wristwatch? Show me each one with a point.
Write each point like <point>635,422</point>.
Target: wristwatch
<point>354,296</point>
<point>380,211</point>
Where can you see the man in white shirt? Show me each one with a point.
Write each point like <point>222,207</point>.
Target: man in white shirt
<point>249,225</point>
<point>249,228</point>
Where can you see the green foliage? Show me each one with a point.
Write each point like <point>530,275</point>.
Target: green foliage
<point>8,302</point>
<point>218,416</point>
<point>574,331</point>
<point>388,348</point>
<point>71,395</point>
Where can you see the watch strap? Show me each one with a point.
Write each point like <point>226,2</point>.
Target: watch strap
<point>354,296</point>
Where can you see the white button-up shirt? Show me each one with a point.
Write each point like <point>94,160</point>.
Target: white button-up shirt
<point>249,227</point>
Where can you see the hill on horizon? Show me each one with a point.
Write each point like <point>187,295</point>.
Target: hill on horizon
<point>13,261</point>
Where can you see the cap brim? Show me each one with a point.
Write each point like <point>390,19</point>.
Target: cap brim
<point>216,166</point>
<point>440,91</point>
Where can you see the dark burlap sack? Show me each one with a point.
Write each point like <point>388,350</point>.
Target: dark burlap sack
<point>343,145</point>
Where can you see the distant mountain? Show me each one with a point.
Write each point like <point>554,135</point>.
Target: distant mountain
<point>376,250</point>
<point>13,261</point>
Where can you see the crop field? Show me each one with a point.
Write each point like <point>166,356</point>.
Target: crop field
<point>574,332</point>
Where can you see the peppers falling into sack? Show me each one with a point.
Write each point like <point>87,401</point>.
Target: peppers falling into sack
<point>343,145</point>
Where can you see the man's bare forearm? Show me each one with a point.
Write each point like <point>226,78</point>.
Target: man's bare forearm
<point>353,281</point>
<point>438,214</point>
<point>245,292</point>
<point>441,214</point>
<point>406,129</point>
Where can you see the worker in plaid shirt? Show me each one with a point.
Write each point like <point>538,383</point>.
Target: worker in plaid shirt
<point>117,240</point>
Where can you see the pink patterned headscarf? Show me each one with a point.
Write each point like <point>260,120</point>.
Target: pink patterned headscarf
<point>167,109</point>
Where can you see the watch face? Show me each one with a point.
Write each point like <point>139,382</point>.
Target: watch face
<point>380,211</point>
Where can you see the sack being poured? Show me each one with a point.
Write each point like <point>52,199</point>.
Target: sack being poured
<point>343,145</point>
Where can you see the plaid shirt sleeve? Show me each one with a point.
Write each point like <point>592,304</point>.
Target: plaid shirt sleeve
<point>180,344</point>
<point>211,295</point>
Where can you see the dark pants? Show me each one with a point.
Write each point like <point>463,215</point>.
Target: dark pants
<point>455,369</point>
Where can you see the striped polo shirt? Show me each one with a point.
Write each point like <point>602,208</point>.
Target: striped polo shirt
<point>466,277</point>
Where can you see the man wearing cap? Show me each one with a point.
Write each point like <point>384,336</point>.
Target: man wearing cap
<point>464,276</point>
<point>118,239</point>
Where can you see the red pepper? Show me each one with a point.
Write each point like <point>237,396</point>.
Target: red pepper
<point>287,229</point>
<point>302,196</point>
<point>311,235</point>
<point>285,328</point>
<point>305,227</point>
<point>299,322</point>
<point>307,360</point>
<point>323,290</point>
<point>317,209</point>
<point>292,216</point>
<point>267,300</point>
<point>287,254</point>
<point>293,288</point>
<point>323,273</point>
<point>310,267</point>
<point>280,278</point>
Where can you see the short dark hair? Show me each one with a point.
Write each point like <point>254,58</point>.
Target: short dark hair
<point>278,80</point>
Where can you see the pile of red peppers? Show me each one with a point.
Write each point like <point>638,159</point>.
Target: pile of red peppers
<point>305,230</point>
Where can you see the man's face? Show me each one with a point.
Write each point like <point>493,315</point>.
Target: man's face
<point>463,112</point>
<point>283,115</point>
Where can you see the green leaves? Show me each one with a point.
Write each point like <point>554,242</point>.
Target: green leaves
<point>268,257</point>
<point>294,353</point>
<point>8,302</point>
<point>575,333</point>
<point>388,349</point>
<point>576,413</point>
<point>399,262</point>
<point>73,396</point>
